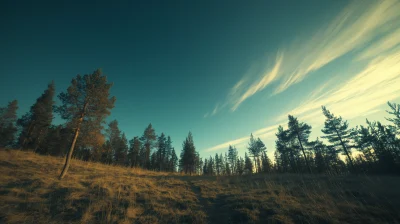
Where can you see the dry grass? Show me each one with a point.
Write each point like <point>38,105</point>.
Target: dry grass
<point>30,192</point>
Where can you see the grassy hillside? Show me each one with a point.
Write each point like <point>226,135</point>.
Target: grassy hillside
<point>94,193</point>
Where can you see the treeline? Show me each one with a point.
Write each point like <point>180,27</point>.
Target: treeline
<point>373,148</point>
<point>85,106</point>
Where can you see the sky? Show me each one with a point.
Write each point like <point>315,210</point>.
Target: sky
<point>220,69</point>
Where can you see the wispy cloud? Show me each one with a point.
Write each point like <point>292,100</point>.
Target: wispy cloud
<point>370,88</point>
<point>260,84</point>
<point>371,32</point>
<point>359,25</point>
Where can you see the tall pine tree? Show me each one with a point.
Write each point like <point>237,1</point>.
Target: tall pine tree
<point>86,102</point>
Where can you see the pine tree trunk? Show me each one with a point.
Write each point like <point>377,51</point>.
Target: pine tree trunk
<point>71,149</point>
<point>304,154</point>
<point>69,156</point>
<point>345,150</point>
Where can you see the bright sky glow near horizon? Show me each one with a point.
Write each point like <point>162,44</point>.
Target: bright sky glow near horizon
<point>220,69</point>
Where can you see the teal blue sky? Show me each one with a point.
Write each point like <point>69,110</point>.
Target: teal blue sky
<point>221,69</point>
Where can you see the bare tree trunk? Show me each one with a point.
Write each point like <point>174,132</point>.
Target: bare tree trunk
<point>304,154</point>
<point>345,150</point>
<point>71,149</point>
<point>69,155</point>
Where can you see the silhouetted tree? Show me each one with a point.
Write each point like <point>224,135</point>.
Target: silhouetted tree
<point>232,157</point>
<point>248,165</point>
<point>134,149</point>
<point>395,111</point>
<point>8,118</point>
<point>337,132</point>
<point>188,155</point>
<point>173,162</point>
<point>161,151</point>
<point>300,131</point>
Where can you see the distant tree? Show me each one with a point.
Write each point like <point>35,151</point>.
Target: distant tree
<point>254,151</point>
<point>173,162</point>
<point>188,155</point>
<point>168,152</point>
<point>248,165</point>
<point>161,151</point>
<point>118,143</point>
<point>320,152</point>
<point>148,140</point>
<point>300,132</point>
<point>8,118</point>
<point>34,125</point>
<point>232,157</point>
<point>266,163</point>
<point>337,132</point>
<point>134,150</point>
<point>86,102</point>
<point>218,164</point>
<point>240,166</point>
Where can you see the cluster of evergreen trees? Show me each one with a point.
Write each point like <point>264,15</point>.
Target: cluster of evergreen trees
<point>376,146</point>
<point>87,103</point>
<point>85,106</point>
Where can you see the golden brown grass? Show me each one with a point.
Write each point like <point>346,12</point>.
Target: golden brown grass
<point>30,192</point>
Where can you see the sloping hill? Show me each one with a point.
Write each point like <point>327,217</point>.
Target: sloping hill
<point>30,192</point>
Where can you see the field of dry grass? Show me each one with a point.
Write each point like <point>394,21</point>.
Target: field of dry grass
<point>30,192</point>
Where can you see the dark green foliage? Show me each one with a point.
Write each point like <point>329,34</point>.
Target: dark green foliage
<point>395,111</point>
<point>248,165</point>
<point>232,157</point>
<point>134,150</point>
<point>34,125</point>
<point>8,118</point>
<point>148,140</point>
<point>188,156</point>
<point>173,162</point>
<point>57,141</point>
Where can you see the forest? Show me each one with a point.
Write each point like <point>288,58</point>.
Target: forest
<point>372,148</point>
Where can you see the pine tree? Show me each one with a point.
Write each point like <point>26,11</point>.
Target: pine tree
<point>34,125</point>
<point>395,111</point>
<point>218,164</point>
<point>173,161</point>
<point>188,155</point>
<point>240,166</point>
<point>148,141</point>
<point>86,102</point>
<point>266,163</point>
<point>8,118</point>
<point>161,151</point>
<point>248,165</point>
<point>337,132</point>
<point>300,132</point>
<point>168,152</point>
<point>232,156</point>
<point>134,150</point>
<point>253,150</point>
